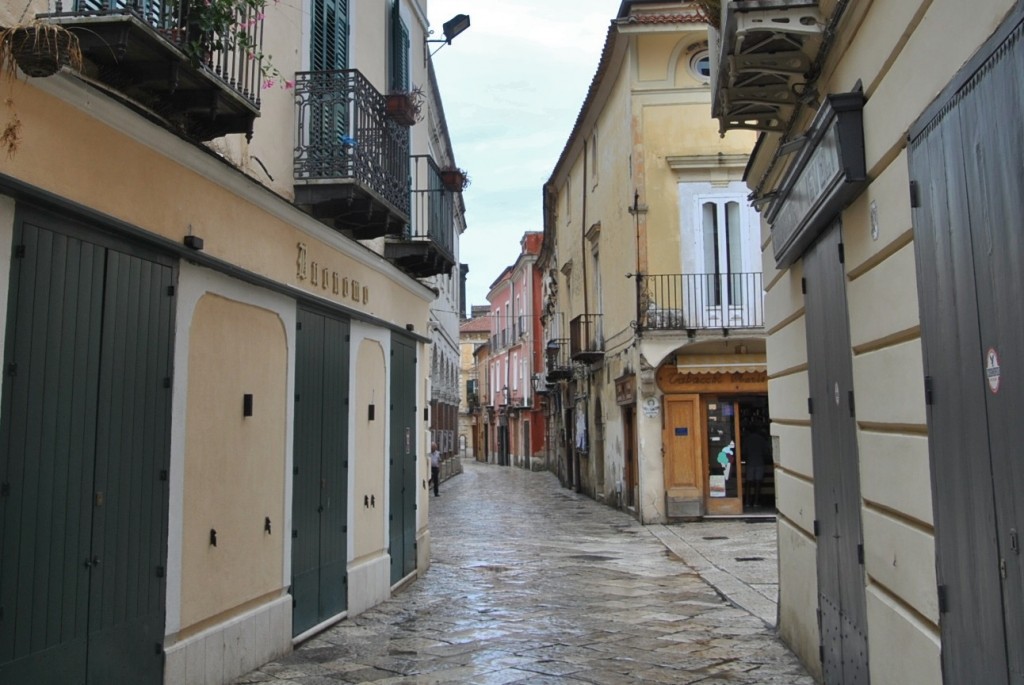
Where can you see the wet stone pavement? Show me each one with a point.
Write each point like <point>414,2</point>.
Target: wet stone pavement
<point>532,583</point>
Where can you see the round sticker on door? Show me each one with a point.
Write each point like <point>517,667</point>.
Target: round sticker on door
<point>992,372</point>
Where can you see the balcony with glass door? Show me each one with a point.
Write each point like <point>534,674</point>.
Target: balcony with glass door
<point>427,245</point>
<point>586,339</point>
<point>351,159</point>
<point>725,291</point>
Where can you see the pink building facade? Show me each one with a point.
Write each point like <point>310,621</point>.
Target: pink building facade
<point>516,387</point>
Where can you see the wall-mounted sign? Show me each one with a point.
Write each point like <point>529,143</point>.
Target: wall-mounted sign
<point>828,172</point>
<point>992,370</point>
<point>651,407</point>
<point>625,389</point>
<point>321,276</point>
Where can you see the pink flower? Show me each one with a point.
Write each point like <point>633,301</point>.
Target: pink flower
<point>268,83</point>
<point>288,85</point>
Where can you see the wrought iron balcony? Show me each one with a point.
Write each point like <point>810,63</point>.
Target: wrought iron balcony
<point>692,302</point>
<point>556,352</point>
<point>586,339</point>
<point>147,53</point>
<point>351,159</point>
<point>761,55</point>
<point>427,246</point>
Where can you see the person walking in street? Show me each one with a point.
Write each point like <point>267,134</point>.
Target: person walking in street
<point>435,468</point>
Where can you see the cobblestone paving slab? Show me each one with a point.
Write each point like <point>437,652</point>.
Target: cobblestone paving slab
<point>532,584</point>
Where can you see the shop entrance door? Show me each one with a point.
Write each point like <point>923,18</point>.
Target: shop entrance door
<point>724,480</point>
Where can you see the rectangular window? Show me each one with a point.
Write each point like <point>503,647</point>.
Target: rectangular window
<point>593,157</point>
<point>399,50</point>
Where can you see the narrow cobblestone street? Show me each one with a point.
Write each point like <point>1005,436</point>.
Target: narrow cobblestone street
<point>532,583</point>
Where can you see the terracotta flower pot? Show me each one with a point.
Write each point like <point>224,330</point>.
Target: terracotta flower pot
<point>453,180</point>
<point>401,109</point>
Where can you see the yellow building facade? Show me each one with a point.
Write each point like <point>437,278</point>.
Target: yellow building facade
<point>891,267</point>
<point>653,304</point>
<point>216,442</point>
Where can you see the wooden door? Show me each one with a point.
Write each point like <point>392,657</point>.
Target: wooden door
<point>402,517</point>
<point>320,471</point>
<point>842,599</point>
<point>84,458</point>
<point>965,161</point>
<point>682,436</point>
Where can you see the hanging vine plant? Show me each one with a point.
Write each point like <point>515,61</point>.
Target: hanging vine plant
<point>711,12</point>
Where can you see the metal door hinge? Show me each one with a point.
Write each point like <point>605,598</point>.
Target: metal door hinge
<point>298,325</point>
<point>817,528</point>
<point>860,554</point>
<point>929,395</point>
<point>803,286</point>
<point>810,405</point>
<point>943,596</point>
<point>160,571</point>
<point>167,382</point>
<point>821,653</point>
<point>19,252</point>
<point>915,195</point>
<point>163,474</point>
<point>1014,541</point>
<point>170,291</point>
<point>842,253</point>
<point>12,369</point>
<point>853,407</point>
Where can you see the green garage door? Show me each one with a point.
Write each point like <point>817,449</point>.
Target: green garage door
<point>83,468</point>
<point>402,520</point>
<point>320,474</point>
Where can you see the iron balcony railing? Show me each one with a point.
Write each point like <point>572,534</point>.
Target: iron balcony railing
<point>345,134</point>
<point>234,60</point>
<point>433,210</point>
<point>559,363</point>
<point>691,302</point>
<point>586,339</point>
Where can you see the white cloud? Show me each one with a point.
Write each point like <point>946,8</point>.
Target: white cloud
<point>512,86</point>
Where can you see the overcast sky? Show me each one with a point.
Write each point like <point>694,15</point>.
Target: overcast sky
<point>512,85</point>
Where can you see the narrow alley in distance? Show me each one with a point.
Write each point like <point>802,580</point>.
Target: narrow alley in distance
<point>531,583</point>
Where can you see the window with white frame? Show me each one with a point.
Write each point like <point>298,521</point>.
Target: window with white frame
<point>721,256</point>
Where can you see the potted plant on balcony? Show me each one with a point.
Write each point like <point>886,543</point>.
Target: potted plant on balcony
<point>39,49</point>
<point>229,25</point>
<point>454,179</point>
<point>405,108</point>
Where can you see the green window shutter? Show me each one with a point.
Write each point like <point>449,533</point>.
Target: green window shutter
<point>399,51</point>
<point>329,44</point>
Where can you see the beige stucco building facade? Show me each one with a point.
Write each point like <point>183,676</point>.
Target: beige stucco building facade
<point>890,265</point>
<point>653,305</point>
<point>228,358</point>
